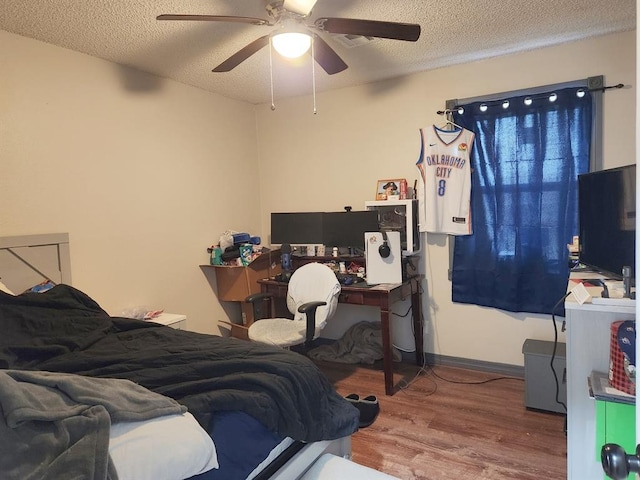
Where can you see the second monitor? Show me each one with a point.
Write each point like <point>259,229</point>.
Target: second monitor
<point>347,229</point>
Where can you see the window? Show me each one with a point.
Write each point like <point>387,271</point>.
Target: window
<point>527,154</point>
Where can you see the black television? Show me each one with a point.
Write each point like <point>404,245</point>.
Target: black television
<point>607,219</point>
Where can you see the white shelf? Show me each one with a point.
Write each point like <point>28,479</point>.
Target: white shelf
<point>173,320</point>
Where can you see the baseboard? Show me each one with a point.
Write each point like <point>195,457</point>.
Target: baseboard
<point>445,360</point>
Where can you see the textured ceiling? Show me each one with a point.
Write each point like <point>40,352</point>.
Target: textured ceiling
<point>453,31</point>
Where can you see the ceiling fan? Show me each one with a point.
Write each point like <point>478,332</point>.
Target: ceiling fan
<point>290,17</point>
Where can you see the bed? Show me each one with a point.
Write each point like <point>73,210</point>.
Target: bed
<point>99,392</point>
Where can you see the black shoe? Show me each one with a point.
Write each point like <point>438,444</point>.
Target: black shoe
<point>369,410</point>
<point>368,407</point>
<point>353,397</point>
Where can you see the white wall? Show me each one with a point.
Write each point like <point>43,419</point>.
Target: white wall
<point>332,159</point>
<point>143,173</point>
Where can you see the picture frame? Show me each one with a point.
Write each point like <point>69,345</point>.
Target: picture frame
<point>385,188</point>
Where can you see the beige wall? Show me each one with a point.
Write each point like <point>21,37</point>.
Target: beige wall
<point>145,173</point>
<point>332,159</point>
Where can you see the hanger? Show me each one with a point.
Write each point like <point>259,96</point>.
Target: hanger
<point>449,124</point>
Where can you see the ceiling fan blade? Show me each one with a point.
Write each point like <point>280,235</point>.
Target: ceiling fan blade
<point>242,54</point>
<point>301,7</point>
<point>214,18</point>
<point>370,28</point>
<point>326,56</point>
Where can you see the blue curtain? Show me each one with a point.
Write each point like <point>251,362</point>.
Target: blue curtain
<point>526,158</point>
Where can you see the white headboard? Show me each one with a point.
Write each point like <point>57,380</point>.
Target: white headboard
<point>27,260</point>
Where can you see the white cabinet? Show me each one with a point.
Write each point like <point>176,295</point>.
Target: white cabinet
<point>587,337</point>
<point>173,320</point>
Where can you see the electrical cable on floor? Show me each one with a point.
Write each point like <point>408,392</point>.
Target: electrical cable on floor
<point>426,367</point>
<point>481,382</point>
<point>405,384</point>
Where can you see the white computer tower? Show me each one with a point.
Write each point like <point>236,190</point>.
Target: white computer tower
<point>399,216</point>
<point>385,267</point>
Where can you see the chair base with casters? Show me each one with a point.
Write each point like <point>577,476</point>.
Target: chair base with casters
<point>312,297</point>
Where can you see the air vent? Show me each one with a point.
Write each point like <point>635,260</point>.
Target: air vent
<point>352,41</point>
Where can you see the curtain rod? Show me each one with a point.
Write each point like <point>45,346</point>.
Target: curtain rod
<point>602,89</point>
<point>455,107</point>
<point>591,84</point>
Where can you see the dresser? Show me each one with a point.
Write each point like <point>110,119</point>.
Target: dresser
<point>587,338</point>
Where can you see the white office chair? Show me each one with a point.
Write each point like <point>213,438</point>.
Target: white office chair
<point>312,297</point>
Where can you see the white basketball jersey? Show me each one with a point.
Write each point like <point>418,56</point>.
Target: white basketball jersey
<point>444,186</point>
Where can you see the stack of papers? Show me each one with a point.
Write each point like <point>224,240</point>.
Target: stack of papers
<point>600,389</point>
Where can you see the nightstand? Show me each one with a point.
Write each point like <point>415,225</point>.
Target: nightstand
<point>173,320</point>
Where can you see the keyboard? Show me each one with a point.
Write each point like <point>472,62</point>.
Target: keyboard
<point>348,278</point>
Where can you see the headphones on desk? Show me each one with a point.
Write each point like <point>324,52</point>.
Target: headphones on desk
<point>384,250</point>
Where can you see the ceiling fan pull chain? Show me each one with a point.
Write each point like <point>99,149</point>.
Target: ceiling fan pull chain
<point>273,105</point>
<point>313,72</point>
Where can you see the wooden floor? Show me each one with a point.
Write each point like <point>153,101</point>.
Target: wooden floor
<point>437,429</point>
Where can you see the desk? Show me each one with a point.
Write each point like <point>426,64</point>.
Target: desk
<point>382,296</point>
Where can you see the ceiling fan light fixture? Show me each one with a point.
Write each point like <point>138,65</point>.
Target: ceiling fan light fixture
<point>291,44</point>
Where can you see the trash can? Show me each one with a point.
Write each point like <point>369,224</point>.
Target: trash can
<point>539,381</point>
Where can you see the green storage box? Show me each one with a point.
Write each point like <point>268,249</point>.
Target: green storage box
<point>615,423</point>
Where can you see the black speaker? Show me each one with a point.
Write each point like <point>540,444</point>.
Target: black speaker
<point>384,249</point>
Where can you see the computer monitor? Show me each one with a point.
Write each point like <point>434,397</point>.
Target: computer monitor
<point>607,219</point>
<point>298,228</point>
<point>347,229</point>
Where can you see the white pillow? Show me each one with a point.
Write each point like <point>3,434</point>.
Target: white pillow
<point>165,448</point>
<point>5,289</point>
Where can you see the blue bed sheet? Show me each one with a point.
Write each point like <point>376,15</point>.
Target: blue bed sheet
<point>242,443</point>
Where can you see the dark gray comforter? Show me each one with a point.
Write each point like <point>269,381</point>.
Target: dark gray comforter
<point>64,330</point>
<point>55,425</point>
